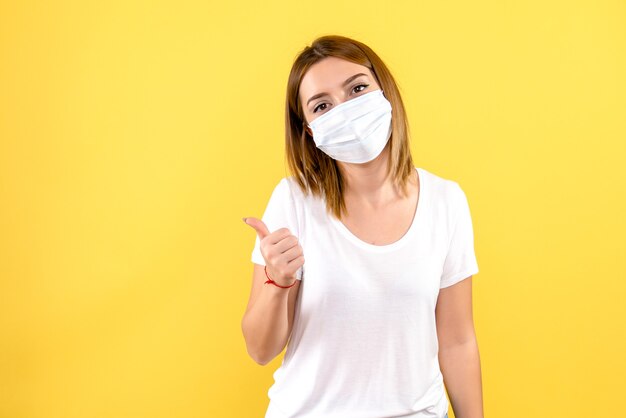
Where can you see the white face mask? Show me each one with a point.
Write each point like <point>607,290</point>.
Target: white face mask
<point>355,131</point>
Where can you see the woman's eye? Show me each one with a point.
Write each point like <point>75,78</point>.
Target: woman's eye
<point>318,106</point>
<point>360,85</point>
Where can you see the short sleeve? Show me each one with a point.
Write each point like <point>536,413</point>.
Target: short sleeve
<point>280,212</point>
<point>460,261</point>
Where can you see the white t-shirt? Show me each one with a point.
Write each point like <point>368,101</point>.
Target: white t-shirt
<point>364,341</point>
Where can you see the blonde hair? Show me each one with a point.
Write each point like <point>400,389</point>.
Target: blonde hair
<point>316,172</point>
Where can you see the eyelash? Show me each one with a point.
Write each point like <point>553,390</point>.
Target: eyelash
<point>358,85</point>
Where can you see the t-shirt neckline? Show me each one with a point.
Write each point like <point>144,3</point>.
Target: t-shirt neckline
<point>394,245</point>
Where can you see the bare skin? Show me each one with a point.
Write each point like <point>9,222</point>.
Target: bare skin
<point>379,214</point>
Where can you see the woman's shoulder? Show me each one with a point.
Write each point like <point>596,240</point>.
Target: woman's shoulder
<point>442,189</point>
<point>438,182</point>
<point>287,191</point>
<point>291,184</point>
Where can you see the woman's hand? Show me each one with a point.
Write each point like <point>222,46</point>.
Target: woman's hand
<point>281,250</point>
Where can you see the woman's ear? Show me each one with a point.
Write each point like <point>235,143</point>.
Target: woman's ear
<point>307,129</point>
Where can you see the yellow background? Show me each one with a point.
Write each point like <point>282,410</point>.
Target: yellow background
<point>134,136</point>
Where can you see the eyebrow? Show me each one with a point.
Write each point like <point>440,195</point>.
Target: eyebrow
<point>348,80</point>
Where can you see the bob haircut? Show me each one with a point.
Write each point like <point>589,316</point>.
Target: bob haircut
<point>313,170</point>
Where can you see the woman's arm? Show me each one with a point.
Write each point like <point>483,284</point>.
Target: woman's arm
<point>268,320</point>
<point>459,358</point>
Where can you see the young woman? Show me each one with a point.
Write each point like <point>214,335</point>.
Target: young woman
<point>380,313</point>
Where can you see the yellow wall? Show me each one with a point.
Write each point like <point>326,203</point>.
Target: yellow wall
<point>134,136</point>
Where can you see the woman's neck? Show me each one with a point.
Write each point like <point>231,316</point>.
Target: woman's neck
<point>369,183</point>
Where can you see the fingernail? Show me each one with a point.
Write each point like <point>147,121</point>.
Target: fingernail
<point>244,219</point>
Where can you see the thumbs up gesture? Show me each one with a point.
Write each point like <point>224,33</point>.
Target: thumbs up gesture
<point>281,250</point>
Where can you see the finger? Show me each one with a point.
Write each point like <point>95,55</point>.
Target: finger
<point>279,235</point>
<point>296,262</point>
<point>293,253</point>
<point>258,225</point>
<point>287,244</point>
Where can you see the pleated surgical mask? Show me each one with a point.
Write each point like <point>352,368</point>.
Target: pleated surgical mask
<point>355,131</point>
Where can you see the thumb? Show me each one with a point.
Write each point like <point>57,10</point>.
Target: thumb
<point>258,225</point>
